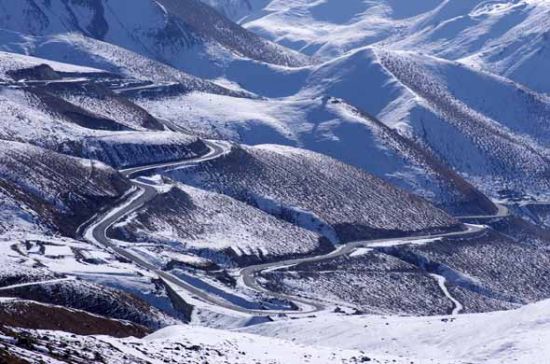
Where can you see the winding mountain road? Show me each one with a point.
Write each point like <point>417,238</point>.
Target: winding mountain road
<point>249,274</point>
<point>97,231</point>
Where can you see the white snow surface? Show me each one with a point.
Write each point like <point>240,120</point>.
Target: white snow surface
<point>498,337</point>
<point>466,79</point>
<point>193,345</point>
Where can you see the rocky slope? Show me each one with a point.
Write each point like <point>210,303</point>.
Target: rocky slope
<point>175,344</point>
<point>30,314</point>
<point>306,188</point>
<point>63,191</point>
<point>68,109</point>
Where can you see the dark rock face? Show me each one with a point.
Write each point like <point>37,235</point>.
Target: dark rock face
<point>179,304</point>
<point>95,299</point>
<point>41,72</point>
<point>31,315</point>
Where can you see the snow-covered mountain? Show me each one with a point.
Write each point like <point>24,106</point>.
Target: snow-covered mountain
<point>294,117</point>
<point>261,181</point>
<point>185,34</point>
<point>507,37</point>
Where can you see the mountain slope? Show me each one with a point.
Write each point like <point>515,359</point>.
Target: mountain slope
<point>64,191</point>
<point>216,227</point>
<point>427,100</point>
<point>78,49</point>
<point>206,21</point>
<point>301,194</point>
<point>431,101</point>
<point>12,62</point>
<point>178,344</point>
<point>306,188</point>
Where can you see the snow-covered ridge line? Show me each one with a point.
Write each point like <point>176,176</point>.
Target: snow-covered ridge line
<point>37,283</point>
<point>14,61</point>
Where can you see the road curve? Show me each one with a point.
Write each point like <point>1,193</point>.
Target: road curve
<point>96,232</point>
<point>502,212</point>
<point>216,150</point>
